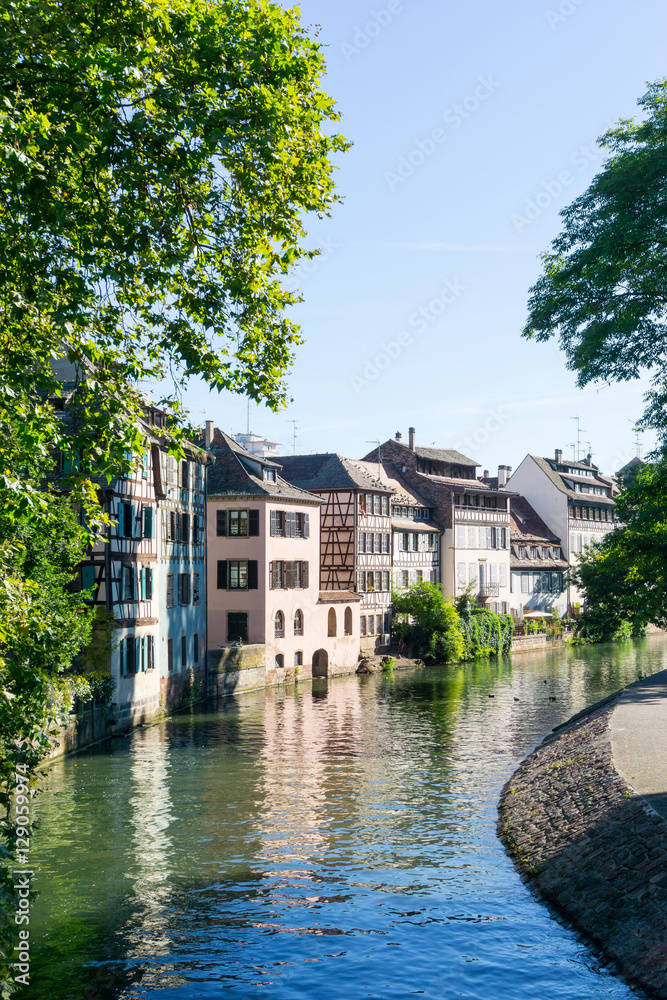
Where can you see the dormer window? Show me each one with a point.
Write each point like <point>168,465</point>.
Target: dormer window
<point>268,475</point>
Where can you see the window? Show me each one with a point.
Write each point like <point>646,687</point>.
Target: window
<point>378,543</point>
<point>522,552</point>
<point>237,523</point>
<point>185,528</point>
<point>370,629</point>
<point>183,588</point>
<point>170,655</point>
<point>545,553</point>
<point>127,583</point>
<point>195,647</point>
<point>170,590</point>
<point>184,651</point>
<point>221,522</point>
<point>414,546</point>
<point>277,518</point>
<point>88,579</point>
<point>525,583</point>
<point>378,624</point>
<point>195,588</point>
<point>405,582</point>
<point>362,625</point>
<point>144,465</point>
<point>237,574</point>
<point>472,538</point>
<point>377,580</point>
<point>460,537</point>
<point>472,572</point>
<point>493,573</point>
<point>332,627</point>
<point>298,623</point>
<point>348,621</point>
<point>293,575</point>
<point>185,475</point>
<point>385,580</point>
<point>377,505</point>
<point>125,520</point>
<point>533,552</point>
<point>298,658</point>
<point>362,542</point>
<point>237,626</point>
<point>146,579</point>
<point>403,541</point>
<point>148,522</point>
<point>461,574</point>
<point>279,625</point>
<point>268,475</point>
<point>150,652</point>
<point>420,576</point>
<point>503,574</point>
<point>385,506</point>
<point>280,661</point>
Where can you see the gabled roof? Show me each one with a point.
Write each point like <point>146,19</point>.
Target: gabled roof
<point>331,472</point>
<point>526,525</point>
<point>232,475</point>
<point>445,455</point>
<point>558,479</point>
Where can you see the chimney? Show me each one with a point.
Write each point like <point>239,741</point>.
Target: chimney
<point>208,435</point>
<point>509,471</point>
<point>502,475</point>
<point>486,474</point>
<point>411,438</point>
<point>559,456</point>
<point>399,436</point>
<point>589,459</point>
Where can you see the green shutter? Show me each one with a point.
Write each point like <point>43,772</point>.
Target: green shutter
<point>148,522</point>
<point>88,579</point>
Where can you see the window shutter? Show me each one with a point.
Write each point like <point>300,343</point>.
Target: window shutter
<point>274,522</point>
<point>158,485</point>
<point>252,575</point>
<point>185,527</point>
<point>142,583</point>
<point>289,576</point>
<point>170,590</point>
<point>131,655</point>
<point>304,574</point>
<point>130,514</point>
<point>253,522</point>
<point>148,522</point>
<point>186,588</point>
<point>123,664</point>
<point>88,579</point>
<point>221,522</point>
<point>222,574</point>
<point>149,584</point>
<point>272,582</point>
<point>306,525</point>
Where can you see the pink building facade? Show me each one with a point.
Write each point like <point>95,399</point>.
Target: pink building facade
<point>263,547</point>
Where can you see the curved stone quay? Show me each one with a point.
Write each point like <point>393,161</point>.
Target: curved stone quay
<point>585,820</point>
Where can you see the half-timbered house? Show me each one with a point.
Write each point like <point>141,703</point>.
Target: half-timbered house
<point>355,534</point>
<point>264,571</point>
<point>148,574</point>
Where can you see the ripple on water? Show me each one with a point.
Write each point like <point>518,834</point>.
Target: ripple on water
<point>285,845</point>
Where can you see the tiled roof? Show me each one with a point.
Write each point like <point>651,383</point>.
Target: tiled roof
<point>338,597</point>
<point>526,525</point>
<point>445,455</point>
<point>557,478</point>
<point>230,476</point>
<point>402,525</point>
<point>331,472</point>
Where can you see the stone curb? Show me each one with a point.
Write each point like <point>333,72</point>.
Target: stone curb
<point>591,847</point>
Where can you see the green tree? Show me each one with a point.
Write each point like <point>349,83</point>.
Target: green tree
<point>624,578</point>
<point>603,288</point>
<point>431,624</point>
<point>159,158</point>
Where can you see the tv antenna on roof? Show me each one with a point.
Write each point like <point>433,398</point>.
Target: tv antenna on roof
<point>580,431</point>
<point>379,444</point>
<point>294,430</point>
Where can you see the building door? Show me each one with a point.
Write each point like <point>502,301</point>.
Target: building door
<point>237,626</point>
<point>320,663</point>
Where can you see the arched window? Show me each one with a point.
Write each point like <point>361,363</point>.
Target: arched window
<point>348,621</point>
<point>298,622</point>
<point>280,661</point>
<point>279,625</point>
<point>332,621</point>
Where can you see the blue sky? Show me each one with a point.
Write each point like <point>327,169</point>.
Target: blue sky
<point>473,125</point>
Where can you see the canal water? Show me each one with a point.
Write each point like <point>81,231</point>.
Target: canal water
<point>334,840</point>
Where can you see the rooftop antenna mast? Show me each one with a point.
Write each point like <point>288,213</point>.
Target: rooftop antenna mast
<point>294,430</point>
<point>379,444</point>
<point>580,431</point>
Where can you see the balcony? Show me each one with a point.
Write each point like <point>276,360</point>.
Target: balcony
<point>488,514</point>
<point>488,590</point>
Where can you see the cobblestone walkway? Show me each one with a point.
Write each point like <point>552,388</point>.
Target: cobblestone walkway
<point>592,847</point>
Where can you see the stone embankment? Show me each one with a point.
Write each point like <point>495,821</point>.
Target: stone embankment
<point>591,846</point>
